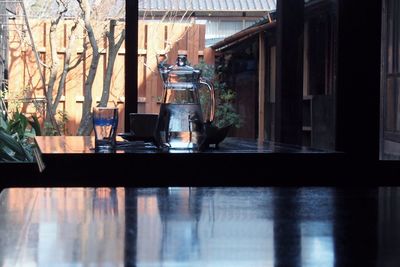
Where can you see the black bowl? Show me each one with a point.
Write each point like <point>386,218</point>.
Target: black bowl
<point>215,135</point>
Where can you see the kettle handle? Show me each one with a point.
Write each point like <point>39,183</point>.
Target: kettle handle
<point>212,96</point>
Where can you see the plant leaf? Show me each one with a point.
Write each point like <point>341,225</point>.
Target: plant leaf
<point>12,147</point>
<point>3,123</point>
<point>35,125</point>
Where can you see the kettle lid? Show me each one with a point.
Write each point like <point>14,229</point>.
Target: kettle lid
<point>181,67</point>
<point>181,60</point>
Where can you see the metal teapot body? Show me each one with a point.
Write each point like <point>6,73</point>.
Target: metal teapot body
<point>180,122</point>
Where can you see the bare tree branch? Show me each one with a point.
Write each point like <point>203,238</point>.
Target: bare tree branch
<point>62,8</point>
<point>113,49</point>
<point>66,68</point>
<point>82,56</point>
<point>53,48</point>
<point>85,126</point>
<point>78,61</point>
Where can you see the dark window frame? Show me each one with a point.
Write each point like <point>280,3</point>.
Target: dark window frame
<point>131,90</point>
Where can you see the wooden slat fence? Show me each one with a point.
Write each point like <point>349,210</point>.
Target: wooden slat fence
<point>155,38</point>
<point>24,78</point>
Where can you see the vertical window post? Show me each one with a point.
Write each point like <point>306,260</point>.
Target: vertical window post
<point>131,90</point>
<point>289,83</point>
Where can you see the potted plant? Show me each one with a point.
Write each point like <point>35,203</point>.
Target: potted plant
<point>225,116</point>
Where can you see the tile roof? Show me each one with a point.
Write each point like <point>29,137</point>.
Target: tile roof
<point>208,5</point>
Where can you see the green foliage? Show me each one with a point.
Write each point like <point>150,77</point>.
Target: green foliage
<point>19,124</point>
<point>225,111</point>
<point>49,129</point>
<point>226,115</point>
<point>16,136</point>
<point>12,146</point>
<point>35,125</point>
<point>62,120</point>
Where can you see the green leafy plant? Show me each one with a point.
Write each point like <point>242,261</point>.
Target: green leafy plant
<point>61,120</point>
<point>12,148</point>
<point>16,136</point>
<point>225,111</point>
<point>19,124</point>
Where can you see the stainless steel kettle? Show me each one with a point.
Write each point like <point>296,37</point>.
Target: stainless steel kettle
<point>180,122</point>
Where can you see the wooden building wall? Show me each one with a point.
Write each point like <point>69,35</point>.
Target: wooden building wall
<point>241,75</point>
<point>315,108</point>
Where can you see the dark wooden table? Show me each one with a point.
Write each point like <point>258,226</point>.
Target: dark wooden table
<point>49,145</point>
<point>243,227</point>
<point>72,161</point>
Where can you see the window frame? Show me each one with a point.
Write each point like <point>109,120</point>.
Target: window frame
<point>131,69</point>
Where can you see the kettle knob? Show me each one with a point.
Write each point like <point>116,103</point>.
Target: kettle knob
<point>181,60</point>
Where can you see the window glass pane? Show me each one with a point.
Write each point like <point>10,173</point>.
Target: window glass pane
<point>239,44</point>
<point>61,59</point>
<point>191,28</point>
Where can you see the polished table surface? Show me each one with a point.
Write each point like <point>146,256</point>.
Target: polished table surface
<point>235,227</point>
<point>85,145</point>
<point>72,160</point>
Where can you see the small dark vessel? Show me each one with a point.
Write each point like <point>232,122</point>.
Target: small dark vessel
<point>214,135</point>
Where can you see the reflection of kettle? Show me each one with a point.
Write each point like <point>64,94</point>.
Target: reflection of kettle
<point>180,122</point>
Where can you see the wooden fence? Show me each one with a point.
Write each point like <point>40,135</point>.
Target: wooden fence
<point>25,82</point>
<point>155,38</point>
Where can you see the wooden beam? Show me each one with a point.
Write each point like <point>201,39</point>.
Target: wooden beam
<point>289,79</point>
<point>261,87</point>
<point>358,74</point>
<point>131,45</point>
<point>246,33</point>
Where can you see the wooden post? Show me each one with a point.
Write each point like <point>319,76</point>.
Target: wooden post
<point>261,87</point>
<point>289,82</point>
<point>131,45</point>
<point>358,78</point>
<point>209,55</point>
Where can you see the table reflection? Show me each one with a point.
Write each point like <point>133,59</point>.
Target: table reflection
<point>194,226</point>
<point>52,227</point>
<point>174,227</point>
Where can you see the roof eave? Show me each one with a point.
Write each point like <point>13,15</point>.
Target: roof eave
<point>239,36</point>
